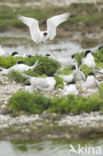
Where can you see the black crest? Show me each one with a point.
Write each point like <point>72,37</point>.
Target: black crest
<point>14,53</point>
<point>87,52</point>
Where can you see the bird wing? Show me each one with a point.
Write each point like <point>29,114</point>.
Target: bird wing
<point>33,25</point>
<point>53,22</point>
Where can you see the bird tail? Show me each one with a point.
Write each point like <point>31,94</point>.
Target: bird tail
<point>26,76</point>
<point>35,65</point>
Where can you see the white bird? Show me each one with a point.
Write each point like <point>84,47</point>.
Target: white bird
<point>19,68</point>
<point>41,36</point>
<point>38,83</point>
<point>70,89</point>
<point>91,82</point>
<point>68,78</point>
<point>78,74</point>
<point>89,59</point>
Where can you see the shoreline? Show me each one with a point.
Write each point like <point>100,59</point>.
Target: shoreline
<point>35,127</point>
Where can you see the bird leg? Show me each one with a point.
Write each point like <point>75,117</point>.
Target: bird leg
<point>37,47</point>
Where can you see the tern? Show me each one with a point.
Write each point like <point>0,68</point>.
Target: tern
<point>41,36</point>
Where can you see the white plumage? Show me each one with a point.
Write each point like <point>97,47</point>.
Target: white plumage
<point>89,61</point>
<point>91,82</point>
<point>38,83</point>
<point>68,78</point>
<point>20,68</point>
<point>70,89</point>
<point>41,36</point>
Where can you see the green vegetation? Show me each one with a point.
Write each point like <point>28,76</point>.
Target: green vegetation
<point>17,77</point>
<point>86,70</point>
<point>98,55</point>
<point>7,62</point>
<point>85,16</point>
<point>78,58</point>
<point>66,70</point>
<point>46,66</point>
<point>37,103</point>
<point>59,82</point>
<point>29,102</point>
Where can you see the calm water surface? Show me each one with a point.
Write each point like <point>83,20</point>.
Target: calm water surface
<point>48,148</point>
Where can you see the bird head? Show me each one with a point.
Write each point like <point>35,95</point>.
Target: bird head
<point>20,62</point>
<point>87,52</point>
<point>45,34</point>
<point>14,53</point>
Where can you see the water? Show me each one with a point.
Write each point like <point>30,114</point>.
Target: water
<point>60,51</point>
<point>50,148</point>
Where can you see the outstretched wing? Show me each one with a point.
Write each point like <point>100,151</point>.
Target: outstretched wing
<point>33,26</point>
<point>53,22</point>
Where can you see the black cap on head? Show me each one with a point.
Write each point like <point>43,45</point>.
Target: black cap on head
<point>73,68</point>
<point>20,62</point>
<point>91,73</point>
<point>28,84</point>
<point>72,82</point>
<point>29,56</point>
<point>100,47</point>
<point>47,55</point>
<point>87,52</point>
<point>45,34</point>
<point>14,53</point>
<point>73,56</point>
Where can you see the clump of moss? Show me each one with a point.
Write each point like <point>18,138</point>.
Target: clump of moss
<point>86,70</point>
<point>67,70</point>
<point>46,66</point>
<point>29,102</point>
<point>98,56</point>
<point>37,103</point>
<point>78,58</point>
<point>7,62</point>
<point>17,77</point>
<point>59,82</point>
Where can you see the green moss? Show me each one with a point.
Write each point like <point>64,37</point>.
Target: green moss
<point>67,70</point>
<point>7,62</point>
<point>59,82</point>
<point>36,103</point>
<point>98,56</point>
<point>30,102</point>
<point>86,70</point>
<point>17,77</point>
<point>47,66</point>
<point>78,58</point>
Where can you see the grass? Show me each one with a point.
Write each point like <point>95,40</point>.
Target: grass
<point>85,17</point>
<point>66,70</point>
<point>98,56</point>
<point>59,82</point>
<point>37,103</point>
<point>7,62</point>
<point>86,70</point>
<point>17,77</point>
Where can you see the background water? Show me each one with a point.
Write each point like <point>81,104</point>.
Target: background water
<point>47,148</point>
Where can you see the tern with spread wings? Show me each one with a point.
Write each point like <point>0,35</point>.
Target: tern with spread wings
<point>41,36</point>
